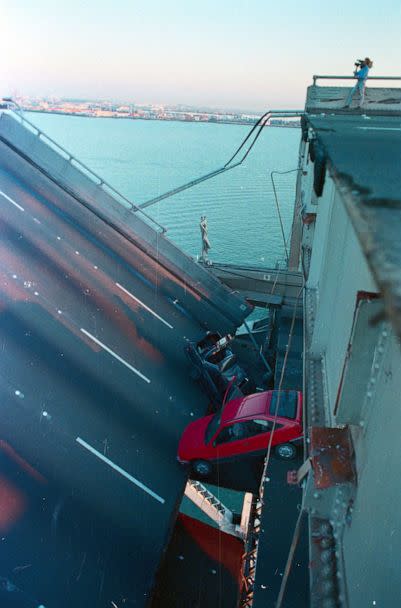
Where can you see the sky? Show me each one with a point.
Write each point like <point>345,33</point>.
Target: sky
<point>250,55</point>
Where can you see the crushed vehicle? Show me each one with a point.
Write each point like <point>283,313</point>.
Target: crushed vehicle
<point>215,367</point>
<point>243,428</point>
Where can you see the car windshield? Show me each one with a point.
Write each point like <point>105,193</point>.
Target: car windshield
<point>212,427</point>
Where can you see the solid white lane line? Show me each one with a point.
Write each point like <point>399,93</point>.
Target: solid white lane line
<point>11,201</point>
<point>120,470</point>
<point>113,354</point>
<point>144,305</point>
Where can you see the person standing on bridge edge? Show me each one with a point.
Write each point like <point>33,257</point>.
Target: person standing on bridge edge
<point>205,239</point>
<point>361,75</point>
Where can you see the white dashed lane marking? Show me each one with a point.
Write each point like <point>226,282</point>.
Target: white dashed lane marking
<point>379,128</point>
<point>152,312</point>
<point>120,470</point>
<point>113,354</point>
<point>11,201</point>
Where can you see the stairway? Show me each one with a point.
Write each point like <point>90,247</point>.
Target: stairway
<point>213,508</point>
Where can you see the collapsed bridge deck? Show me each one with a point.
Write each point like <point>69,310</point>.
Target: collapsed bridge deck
<point>95,308</point>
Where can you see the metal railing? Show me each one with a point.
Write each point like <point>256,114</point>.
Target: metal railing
<point>329,77</point>
<point>99,181</point>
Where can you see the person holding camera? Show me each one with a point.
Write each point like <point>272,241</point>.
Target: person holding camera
<point>361,75</point>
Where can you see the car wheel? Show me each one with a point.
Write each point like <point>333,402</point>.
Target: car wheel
<point>202,468</point>
<point>286,451</point>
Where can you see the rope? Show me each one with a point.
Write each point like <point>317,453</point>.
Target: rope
<point>279,387</point>
<point>298,523</point>
<point>290,559</point>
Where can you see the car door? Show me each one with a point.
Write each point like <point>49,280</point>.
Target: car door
<point>242,437</point>
<point>231,440</point>
<point>259,431</point>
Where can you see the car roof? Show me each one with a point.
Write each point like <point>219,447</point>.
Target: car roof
<point>245,407</point>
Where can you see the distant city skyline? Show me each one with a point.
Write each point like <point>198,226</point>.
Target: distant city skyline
<point>131,111</point>
<point>219,54</point>
<point>27,100</point>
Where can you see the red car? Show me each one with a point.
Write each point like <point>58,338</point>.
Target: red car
<point>243,427</point>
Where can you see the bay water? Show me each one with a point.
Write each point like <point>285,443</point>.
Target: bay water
<point>143,159</point>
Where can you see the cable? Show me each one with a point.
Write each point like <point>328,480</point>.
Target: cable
<point>261,123</point>
<point>259,351</point>
<point>207,176</point>
<point>278,207</point>
<point>243,276</point>
<point>190,184</point>
<point>255,126</point>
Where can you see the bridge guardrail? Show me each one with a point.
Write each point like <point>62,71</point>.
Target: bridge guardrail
<point>99,181</point>
<point>333,77</point>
